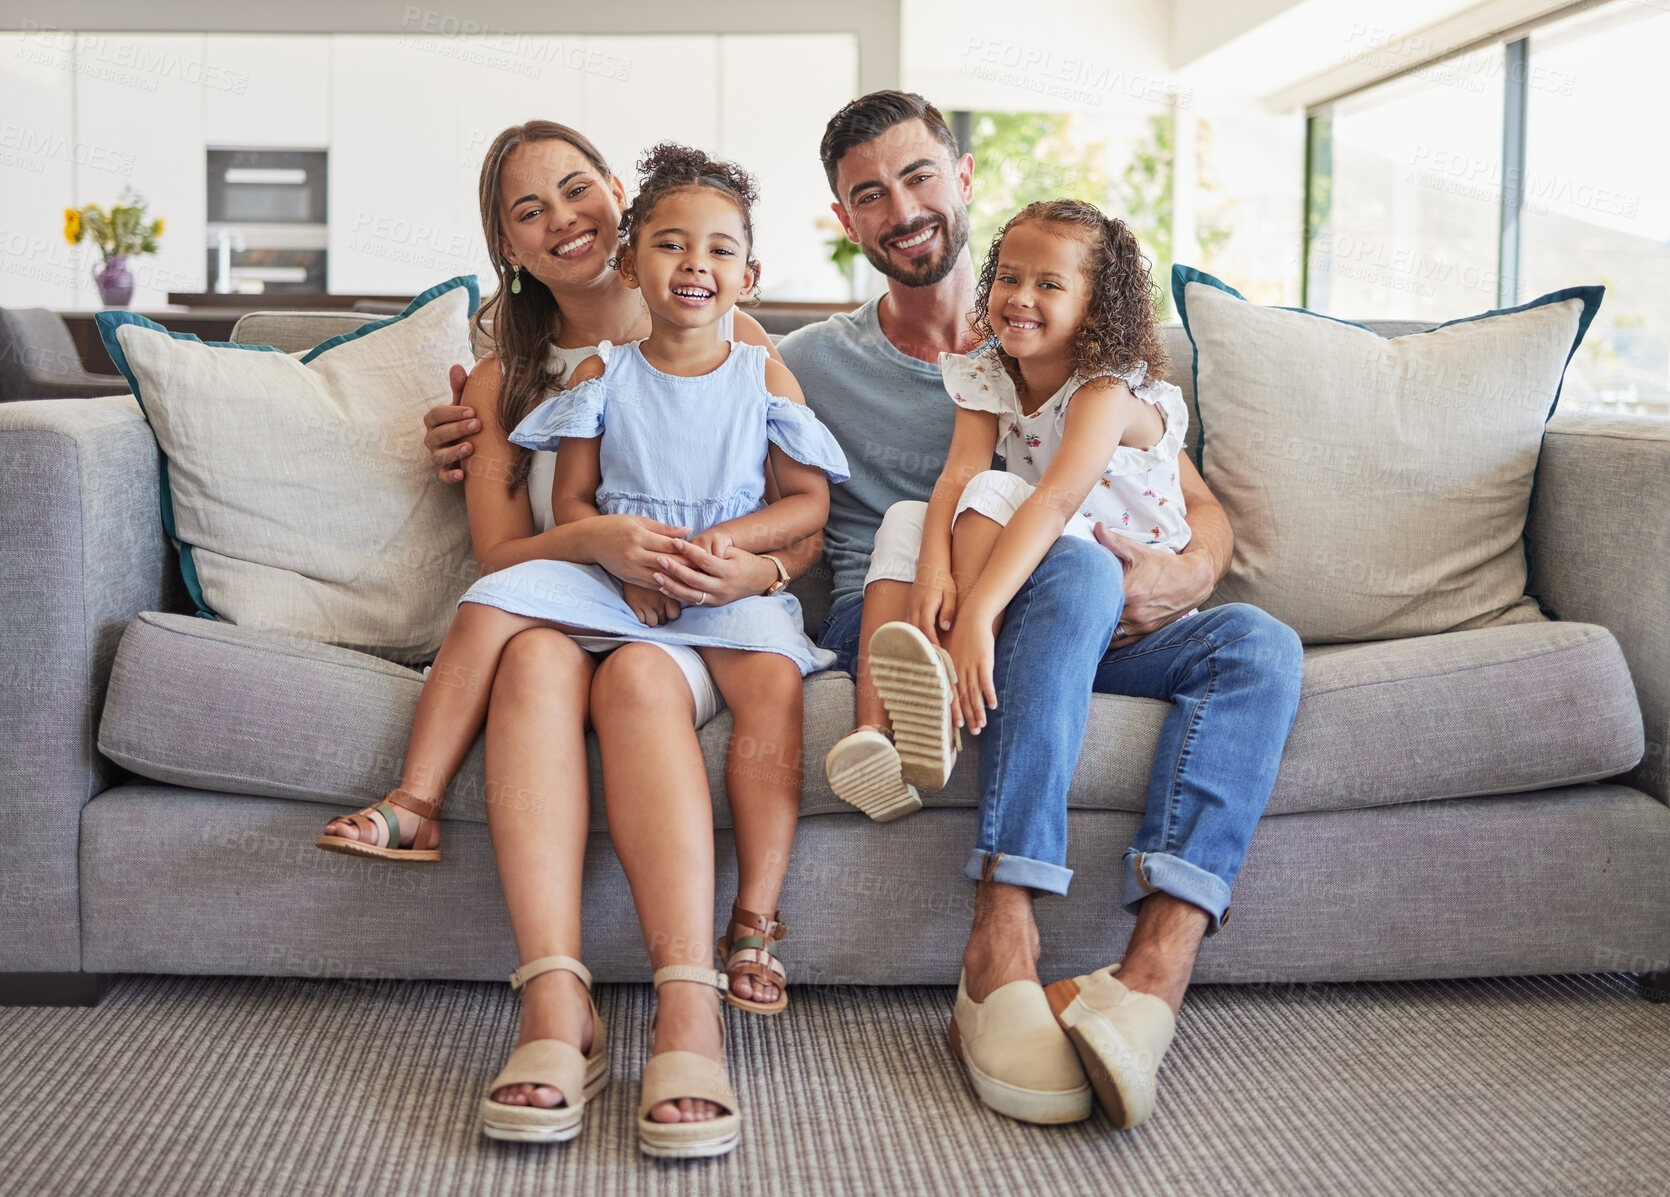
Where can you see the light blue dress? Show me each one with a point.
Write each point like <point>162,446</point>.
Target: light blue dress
<point>685,451</point>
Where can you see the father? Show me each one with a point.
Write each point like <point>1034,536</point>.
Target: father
<point>1231,673</point>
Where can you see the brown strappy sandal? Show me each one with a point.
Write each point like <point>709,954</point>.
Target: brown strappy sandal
<point>756,957</point>
<point>379,828</point>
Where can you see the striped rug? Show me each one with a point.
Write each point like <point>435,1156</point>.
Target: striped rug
<point>252,1086</point>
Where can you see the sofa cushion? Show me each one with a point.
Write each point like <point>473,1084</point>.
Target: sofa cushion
<point>217,707</point>
<point>1378,487</point>
<point>299,494</point>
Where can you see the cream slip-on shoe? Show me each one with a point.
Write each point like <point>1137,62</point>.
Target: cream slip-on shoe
<point>1018,1060</point>
<point>1120,1035</point>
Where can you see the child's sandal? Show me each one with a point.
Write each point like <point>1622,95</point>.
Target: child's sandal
<point>548,1062</point>
<point>672,1075</point>
<point>917,681</point>
<point>379,828</point>
<point>755,957</point>
<point>864,771</point>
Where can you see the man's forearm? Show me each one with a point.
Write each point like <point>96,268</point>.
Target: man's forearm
<point>1211,543</point>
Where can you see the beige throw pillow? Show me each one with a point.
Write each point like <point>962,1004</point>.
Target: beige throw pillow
<point>297,486</point>
<point>1378,487</point>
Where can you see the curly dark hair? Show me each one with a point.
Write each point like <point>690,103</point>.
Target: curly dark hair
<point>1120,329</point>
<point>671,167</point>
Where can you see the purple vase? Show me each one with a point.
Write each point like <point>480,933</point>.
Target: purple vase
<point>114,282</point>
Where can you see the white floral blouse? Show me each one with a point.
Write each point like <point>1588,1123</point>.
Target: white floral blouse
<point>1137,495</point>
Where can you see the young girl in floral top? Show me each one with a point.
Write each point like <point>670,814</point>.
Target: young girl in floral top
<point>1062,393</point>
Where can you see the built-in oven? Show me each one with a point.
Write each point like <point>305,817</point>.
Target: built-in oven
<point>267,229</point>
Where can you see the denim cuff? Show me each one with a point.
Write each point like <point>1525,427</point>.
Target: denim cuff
<point>1019,870</point>
<point>1157,872</point>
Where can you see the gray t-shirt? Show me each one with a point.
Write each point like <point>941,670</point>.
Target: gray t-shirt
<point>891,415</point>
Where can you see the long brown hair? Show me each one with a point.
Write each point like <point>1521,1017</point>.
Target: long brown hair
<point>1120,329</point>
<point>524,326</point>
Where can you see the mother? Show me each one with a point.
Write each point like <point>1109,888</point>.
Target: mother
<point>551,210</point>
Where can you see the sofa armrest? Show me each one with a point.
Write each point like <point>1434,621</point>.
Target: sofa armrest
<point>82,552</point>
<point>1600,553</point>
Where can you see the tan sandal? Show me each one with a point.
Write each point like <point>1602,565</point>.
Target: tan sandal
<point>671,1075</point>
<point>755,957</point>
<point>379,828</point>
<point>917,681</point>
<point>548,1062</point>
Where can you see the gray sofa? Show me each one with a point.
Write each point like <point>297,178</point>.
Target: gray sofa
<point>1479,803</point>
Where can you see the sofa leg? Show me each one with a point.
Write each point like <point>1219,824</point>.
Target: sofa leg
<point>52,989</point>
<point>1655,987</point>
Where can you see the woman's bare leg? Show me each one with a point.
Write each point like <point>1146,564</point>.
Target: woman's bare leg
<point>451,710</point>
<point>537,804</point>
<point>661,822</point>
<point>762,777</point>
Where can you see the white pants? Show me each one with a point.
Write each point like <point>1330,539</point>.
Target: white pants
<point>994,494</point>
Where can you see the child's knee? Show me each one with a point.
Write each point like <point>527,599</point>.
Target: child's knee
<point>995,494</point>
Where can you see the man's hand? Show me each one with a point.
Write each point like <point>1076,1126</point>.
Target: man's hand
<point>688,571</point>
<point>448,426</point>
<point>629,546</point>
<point>650,606</point>
<point>1159,585</point>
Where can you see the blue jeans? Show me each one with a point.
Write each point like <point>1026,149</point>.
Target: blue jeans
<point>1231,675</point>
<point>840,631</point>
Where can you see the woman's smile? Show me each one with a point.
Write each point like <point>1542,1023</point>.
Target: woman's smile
<point>576,245</point>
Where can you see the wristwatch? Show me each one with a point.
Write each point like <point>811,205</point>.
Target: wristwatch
<point>782,574</point>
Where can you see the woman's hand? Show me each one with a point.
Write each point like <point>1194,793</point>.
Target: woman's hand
<point>629,546</point>
<point>446,429</point>
<point>933,601</point>
<point>690,571</point>
<point>650,606</point>
<point>973,649</point>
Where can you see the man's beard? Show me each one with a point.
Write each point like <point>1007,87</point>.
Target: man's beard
<point>922,272</point>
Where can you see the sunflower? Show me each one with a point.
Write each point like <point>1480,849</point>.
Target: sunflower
<point>72,225</point>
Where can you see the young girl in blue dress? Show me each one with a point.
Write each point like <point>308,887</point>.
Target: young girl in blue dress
<point>679,428</point>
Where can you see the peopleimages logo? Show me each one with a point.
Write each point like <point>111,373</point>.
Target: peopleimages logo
<point>31,149</point>
<point>1064,76</point>
<point>129,61</point>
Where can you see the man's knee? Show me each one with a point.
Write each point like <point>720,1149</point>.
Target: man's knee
<point>1262,645</point>
<point>1081,569</point>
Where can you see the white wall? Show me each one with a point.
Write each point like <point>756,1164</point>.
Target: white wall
<point>1105,56</point>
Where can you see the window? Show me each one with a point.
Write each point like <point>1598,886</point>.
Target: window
<point>1597,196</point>
<point>1406,224</point>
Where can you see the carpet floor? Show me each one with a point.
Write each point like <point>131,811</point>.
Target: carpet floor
<point>242,1085</point>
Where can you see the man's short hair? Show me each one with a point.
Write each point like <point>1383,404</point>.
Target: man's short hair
<point>868,117</point>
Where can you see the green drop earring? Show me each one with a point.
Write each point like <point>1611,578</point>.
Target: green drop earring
<point>516,281</point>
